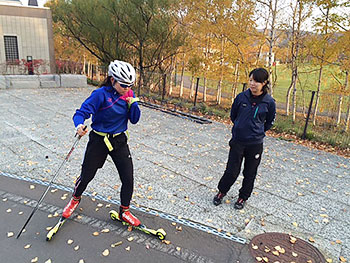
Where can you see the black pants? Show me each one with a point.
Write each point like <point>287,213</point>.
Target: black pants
<point>252,156</point>
<point>95,156</point>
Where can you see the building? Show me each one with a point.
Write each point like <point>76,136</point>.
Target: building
<point>26,39</point>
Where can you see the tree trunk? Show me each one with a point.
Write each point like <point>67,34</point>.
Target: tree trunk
<point>340,102</point>
<point>234,86</point>
<point>317,95</point>
<point>218,94</point>
<point>192,87</point>
<point>182,79</point>
<point>204,89</point>
<point>347,122</point>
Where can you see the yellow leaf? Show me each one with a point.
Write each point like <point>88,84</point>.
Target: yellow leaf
<point>259,259</point>
<point>117,244</point>
<point>292,239</point>
<point>166,242</point>
<point>311,239</point>
<point>130,239</point>
<point>255,247</point>
<point>329,260</point>
<point>105,253</point>
<point>276,253</point>
<point>178,248</point>
<point>81,261</point>
<point>9,234</point>
<point>106,230</point>
<point>342,259</point>
<point>27,246</point>
<point>127,248</point>
<point>294,254</point>
<point>76,248</point>
<point>34,260</point>
<point>95,233</point>
<point>48,261</point>
<point>70,241</point>
<point>295,224</point>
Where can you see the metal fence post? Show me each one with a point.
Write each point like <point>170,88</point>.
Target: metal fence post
<point>308,115</point>
<point>195,95</point>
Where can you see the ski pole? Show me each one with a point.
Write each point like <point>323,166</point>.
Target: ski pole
<point>48,187</point>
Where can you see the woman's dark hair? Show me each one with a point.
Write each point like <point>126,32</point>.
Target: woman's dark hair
<point>107,82</point>
<point>261,75</point>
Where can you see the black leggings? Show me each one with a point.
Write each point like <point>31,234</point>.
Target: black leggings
<point>95,156</point>
<point>252,156</point>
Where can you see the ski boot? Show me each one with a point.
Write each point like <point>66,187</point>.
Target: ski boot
<point>71,206</point>
<point>125,215</point>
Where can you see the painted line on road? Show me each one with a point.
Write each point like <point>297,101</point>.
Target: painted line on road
<point>149,211</point>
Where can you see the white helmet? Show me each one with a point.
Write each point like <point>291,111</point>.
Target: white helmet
<point>122,72</point>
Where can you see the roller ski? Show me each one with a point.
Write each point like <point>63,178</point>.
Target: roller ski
<point>128,219</point>
<point>67,212</point>
<point>55,229</point>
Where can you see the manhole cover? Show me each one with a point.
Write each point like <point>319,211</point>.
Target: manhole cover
<point>283,248</point>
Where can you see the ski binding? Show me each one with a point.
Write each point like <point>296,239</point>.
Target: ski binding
<point>55,229</point>
<point>160,233</point>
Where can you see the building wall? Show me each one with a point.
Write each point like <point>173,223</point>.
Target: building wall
<point>33,28</point>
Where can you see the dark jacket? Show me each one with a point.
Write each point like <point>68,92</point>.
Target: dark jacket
<point>252,119</point>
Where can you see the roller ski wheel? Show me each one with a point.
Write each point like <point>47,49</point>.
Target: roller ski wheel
<point>159,233</point>
<point>55,229</point>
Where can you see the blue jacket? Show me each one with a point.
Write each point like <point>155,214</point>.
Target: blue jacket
<point>109,110</point>
<point>250,120</point>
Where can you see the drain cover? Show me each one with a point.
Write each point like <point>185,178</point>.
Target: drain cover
<point>283,248</point>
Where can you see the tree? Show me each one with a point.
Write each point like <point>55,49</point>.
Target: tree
<point>144,32</point>
<point>326,25</point>
<point>301,10</point>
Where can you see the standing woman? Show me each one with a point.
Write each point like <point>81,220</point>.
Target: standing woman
<point>253,113</point>
<point>111,106</point>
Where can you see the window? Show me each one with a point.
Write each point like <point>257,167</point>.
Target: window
<point>11,48</point>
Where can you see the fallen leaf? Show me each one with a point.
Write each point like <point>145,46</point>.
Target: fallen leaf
<point>259,259</point>
<point>166,242</point>
<point>130,239</point>
<point>342,259</point>
<point>127,248</point>
<point>117,244</point>
<point>95,233</point>
<point>81,261</point>
<point>9,234</point>
<point>32,186</point>
<point>70,241</point>
<point>48,261</point>
<point>27,246</point>
<point>294,254</point>
<point>105,253</point>
<point>311,239</point>
<point>178,248</point>
<point>329,260</point>
<point>34,260</point>
<point>292,239</point>
<point>9,210</point>
<point>76,248</point>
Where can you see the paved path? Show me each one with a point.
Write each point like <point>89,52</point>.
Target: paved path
<point>177,166</point>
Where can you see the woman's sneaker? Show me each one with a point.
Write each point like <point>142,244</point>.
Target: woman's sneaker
<point>71,206</point>
<point>239,203</point>
<point>218,198</point>
<point>128,217</point>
